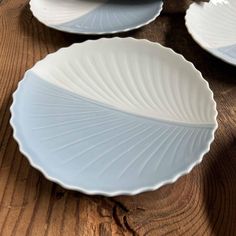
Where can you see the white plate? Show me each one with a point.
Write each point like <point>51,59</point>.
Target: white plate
<point>114,116</point>
<point>213,26</point>
<point>95,16</point>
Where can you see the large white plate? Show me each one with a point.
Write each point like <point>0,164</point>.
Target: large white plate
<point>213,26</point>
<point>96,16</point>
<point>114,116</point>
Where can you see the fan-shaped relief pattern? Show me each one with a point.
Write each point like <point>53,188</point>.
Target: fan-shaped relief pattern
<point>112,16</point>
<point>213,27</point>
<point>128,82</point>
<point>112,122</point>
<point>54,12</point>
<point>97,147</point>
<point>215,24</point>
<point>96,16</point>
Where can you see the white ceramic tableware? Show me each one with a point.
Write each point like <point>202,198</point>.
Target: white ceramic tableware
<point>213,26</point>
<point>114,116</point>
<point>95,16</point>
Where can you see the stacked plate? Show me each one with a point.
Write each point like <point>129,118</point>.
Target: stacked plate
<point>116,116</point>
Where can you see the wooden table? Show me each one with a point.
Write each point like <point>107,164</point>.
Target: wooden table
<point>201,203</point>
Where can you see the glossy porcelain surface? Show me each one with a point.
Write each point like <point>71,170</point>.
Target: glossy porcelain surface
<point>123,120</point>
<point>213,27</point>
<point>96,16</point>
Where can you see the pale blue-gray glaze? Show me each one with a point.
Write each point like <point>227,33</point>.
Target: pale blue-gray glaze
<point>230,51</point>
<point>114,16</point>
<point>227,54</point>
<point>92,146</point>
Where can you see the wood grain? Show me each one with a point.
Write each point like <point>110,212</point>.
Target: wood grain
<point>172,6</point>
<point>201,203</point>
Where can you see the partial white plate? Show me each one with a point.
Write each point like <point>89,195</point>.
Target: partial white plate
<point>114,116</point>
<point>213,26</point>
<point>96,16</point>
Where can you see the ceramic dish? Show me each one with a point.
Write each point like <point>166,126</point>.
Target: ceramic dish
<point>95,16</point>
<point>123,120</point>
<point>213,26</point>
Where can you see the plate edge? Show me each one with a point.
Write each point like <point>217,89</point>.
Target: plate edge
<point>120,192</point>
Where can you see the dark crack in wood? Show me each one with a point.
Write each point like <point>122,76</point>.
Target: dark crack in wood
<point>128,227</point>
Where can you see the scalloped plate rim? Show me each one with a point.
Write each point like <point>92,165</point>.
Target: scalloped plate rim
<point>174,178</point>
<point>102,32</point>
<point>215,53</point>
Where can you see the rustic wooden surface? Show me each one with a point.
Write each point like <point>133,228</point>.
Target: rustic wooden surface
<point>201,203</point>
<point>177,6</point>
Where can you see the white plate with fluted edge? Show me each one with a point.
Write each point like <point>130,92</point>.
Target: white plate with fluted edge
<point>114,116</point>
<point>213,26</point>
<point>96,16</point>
